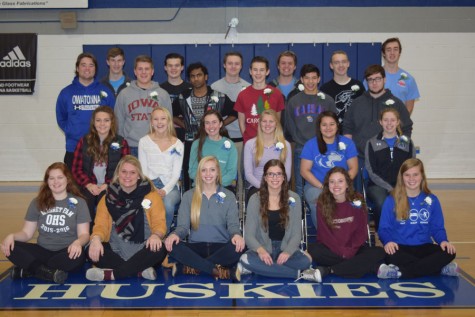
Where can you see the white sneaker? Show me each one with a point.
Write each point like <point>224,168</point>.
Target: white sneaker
<point>95,274</point>
<point>451,269</point>
<point>149,274</point>
<point>242,269</point>
<point>388,271</point>
<point>312,275</point>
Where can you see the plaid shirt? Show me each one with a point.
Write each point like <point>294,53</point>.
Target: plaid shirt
<point>84,174</point>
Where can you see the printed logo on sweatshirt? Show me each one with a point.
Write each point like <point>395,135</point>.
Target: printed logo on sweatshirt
<point>419,216</point>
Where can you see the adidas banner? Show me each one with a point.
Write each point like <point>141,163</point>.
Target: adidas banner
<point>18,63</point>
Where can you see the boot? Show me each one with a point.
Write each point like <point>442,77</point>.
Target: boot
<point>18,272</point>
<point>51,275</point>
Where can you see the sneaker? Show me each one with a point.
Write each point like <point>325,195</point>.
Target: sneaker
<point>235,274</point>
<point>178,268</point>
<point>451,269</point>
<point>312,275</point>
<point>149,274</point>
<point>388,271</point>
<point>242,269</point>
<point>48,274</point>
<point>18,272</point>
<point>95,274</point>
<point>222,273</point>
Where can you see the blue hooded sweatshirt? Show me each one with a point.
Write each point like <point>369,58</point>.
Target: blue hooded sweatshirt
<point>74,108</point>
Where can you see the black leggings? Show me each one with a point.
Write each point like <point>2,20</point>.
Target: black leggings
<point>366,260</point>
<point>30,256</point>
<point>130,268</point>
<point>420,260</point>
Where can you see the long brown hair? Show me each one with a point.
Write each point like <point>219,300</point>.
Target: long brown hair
<point>98,152</point>
<point>278,137</point>
<point>326,202</point>
<point>45,199</point>
<point>264,196</point>
<point>401,204</point>
<point>202,132</point>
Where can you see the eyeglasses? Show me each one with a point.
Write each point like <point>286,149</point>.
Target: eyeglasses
<point>374,80</point>
<point>274,175</point>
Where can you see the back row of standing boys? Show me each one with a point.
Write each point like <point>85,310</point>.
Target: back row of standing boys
<point>327,161</point>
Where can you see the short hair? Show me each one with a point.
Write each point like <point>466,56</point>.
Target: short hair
<point>338,52</point>
<point>288,54</point>
<point>233,53</point>
<point>194,66</point>
<point>391,40</point>
<point>115,51</point>
<point>374,69</point>
<point>143,59</point>
<point>174,55</point>
<point>85,55</point>
<point>259,59</point>
<point>309,68</point>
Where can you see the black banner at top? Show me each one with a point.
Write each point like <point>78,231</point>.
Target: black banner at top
<point>18,63</point>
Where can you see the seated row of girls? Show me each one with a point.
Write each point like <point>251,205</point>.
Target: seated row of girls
<point>411,222</point>
<point>130,225</point>
<point>323,152</point>
<point>268,144</point>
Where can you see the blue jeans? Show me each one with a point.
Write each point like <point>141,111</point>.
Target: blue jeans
<point>311,194</point>
<point>171,200</point>
<point>290,269</point>
<point>134,150</point>
<point>298,177</point>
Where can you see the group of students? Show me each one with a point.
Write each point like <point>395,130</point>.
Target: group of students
<point>130,236</point>
<point>121,216</point>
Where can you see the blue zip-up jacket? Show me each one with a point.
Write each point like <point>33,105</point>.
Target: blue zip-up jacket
<point>74,108</point>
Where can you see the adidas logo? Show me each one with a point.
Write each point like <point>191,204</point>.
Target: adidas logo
<point>15,59</point>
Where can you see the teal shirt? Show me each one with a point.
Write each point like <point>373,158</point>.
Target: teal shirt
<point>227,158</point>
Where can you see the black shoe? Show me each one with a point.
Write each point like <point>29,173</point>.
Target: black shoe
<point>51,275</point>
<point>18,272</point>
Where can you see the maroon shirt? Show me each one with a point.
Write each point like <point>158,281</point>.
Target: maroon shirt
<point>350,229</point>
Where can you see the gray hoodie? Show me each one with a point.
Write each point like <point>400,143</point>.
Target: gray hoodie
<point>362,120</point>
<point>133,108</point>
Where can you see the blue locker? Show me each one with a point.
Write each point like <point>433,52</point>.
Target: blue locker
<point>206,54</point>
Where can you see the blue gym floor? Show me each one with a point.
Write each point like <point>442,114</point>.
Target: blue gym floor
<point>191,292</point>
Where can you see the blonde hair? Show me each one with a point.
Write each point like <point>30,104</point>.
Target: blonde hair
<point>401,204</point>
<point>132,160</point>
<point>170,127</point>
<point>278,137</point>
<point>197,195</point>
